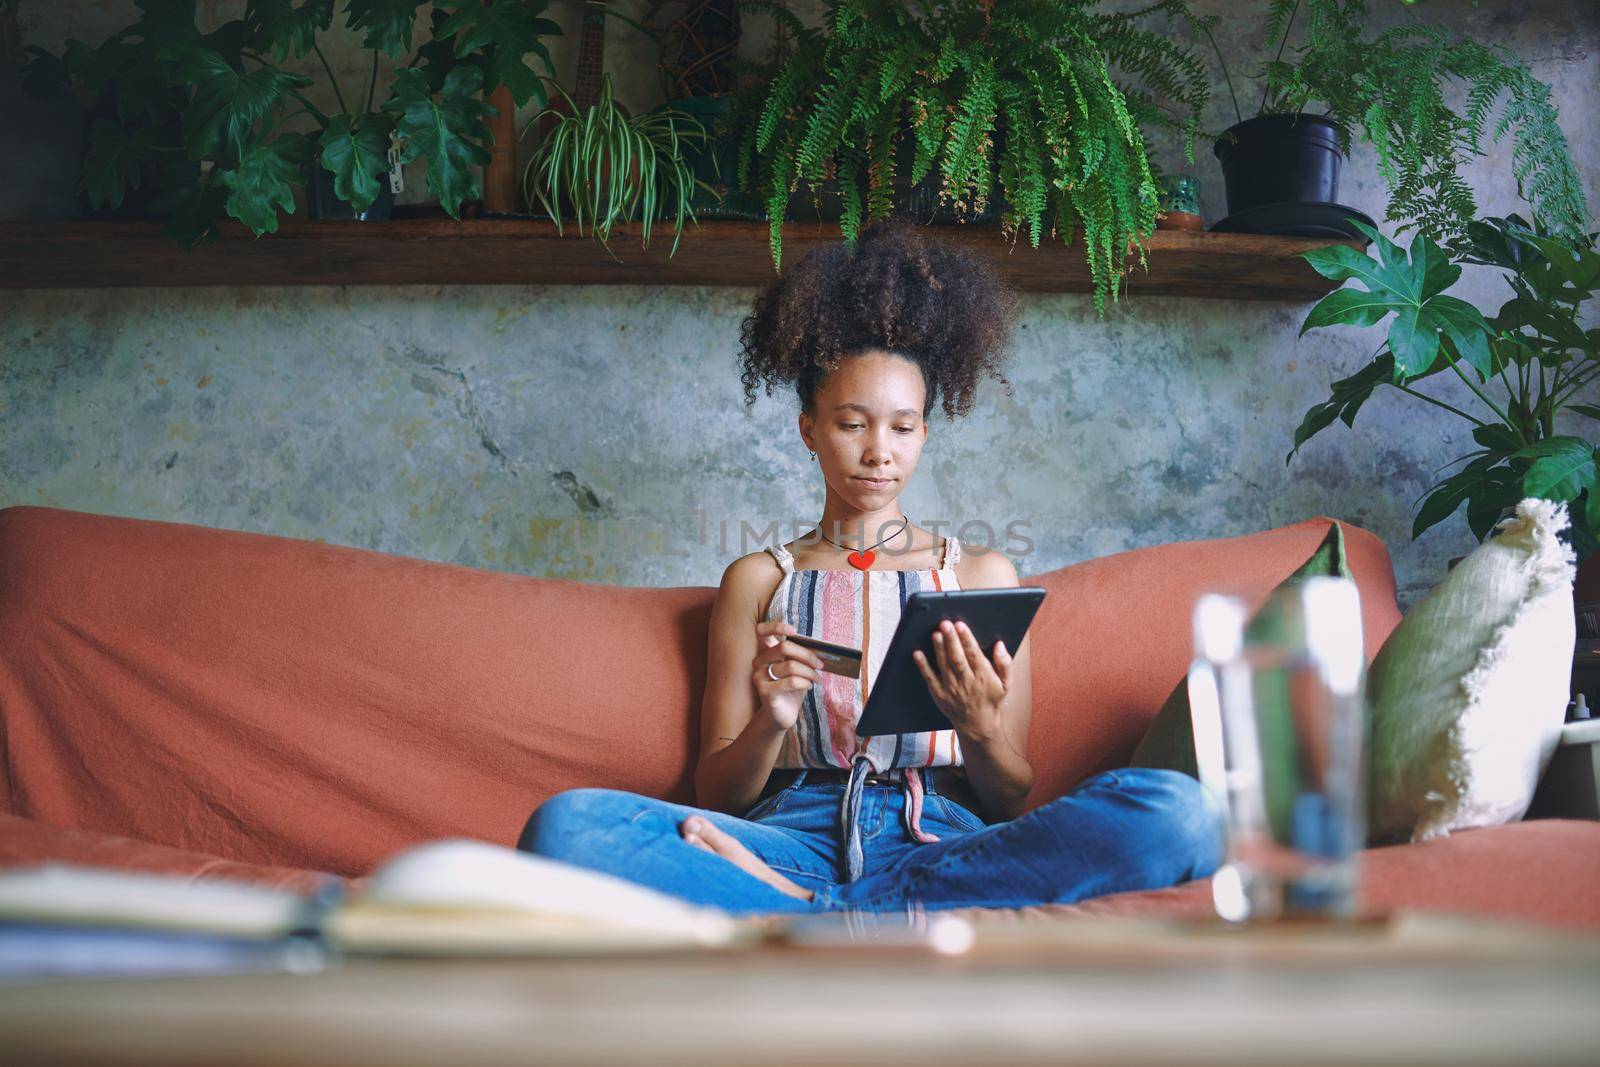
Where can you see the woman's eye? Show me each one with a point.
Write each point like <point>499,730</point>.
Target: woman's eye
<point>857,426</point>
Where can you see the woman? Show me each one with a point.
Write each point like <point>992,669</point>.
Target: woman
<point>796,813</point>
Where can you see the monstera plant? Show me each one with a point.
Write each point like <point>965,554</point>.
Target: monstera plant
<point>1534,359</point>
<point>217,119</point>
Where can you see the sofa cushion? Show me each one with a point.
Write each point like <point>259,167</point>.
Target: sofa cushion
<point>1469,693</point>
<point>24,842</point>
<point>1169,743</point>
<point>1115,635</point>
<point>1536,871</point>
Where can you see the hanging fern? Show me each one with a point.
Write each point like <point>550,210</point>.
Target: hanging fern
<point>1047,98</point>
<point>1390,87</point>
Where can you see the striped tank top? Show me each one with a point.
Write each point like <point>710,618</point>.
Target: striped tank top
<point>860,609</point>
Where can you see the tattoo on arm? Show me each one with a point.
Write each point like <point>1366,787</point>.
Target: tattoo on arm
<point>727,739</point>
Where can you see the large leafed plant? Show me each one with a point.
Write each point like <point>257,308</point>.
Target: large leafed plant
<point>1042,99</point>
<point>1527,363</point>
<point>218,118</point>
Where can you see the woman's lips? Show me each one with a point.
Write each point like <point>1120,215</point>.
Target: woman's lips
<point>876,483</point>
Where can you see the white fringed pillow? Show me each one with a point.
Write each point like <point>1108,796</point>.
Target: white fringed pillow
<point>1468,694</point>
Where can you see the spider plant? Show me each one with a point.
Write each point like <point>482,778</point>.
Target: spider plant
<point>606,166</point>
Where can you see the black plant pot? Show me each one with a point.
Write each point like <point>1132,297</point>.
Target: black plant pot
<point>323,204</point>
<point>1279,159</point>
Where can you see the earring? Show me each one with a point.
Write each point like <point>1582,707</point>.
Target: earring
<point>813,455</point>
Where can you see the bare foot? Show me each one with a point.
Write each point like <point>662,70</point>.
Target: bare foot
<point>705,835</point>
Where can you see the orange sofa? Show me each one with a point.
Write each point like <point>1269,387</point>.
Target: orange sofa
<point>234,705</point>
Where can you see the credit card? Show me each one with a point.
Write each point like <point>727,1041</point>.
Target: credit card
<point>836,658</point>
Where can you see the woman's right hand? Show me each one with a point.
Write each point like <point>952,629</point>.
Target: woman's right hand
<point>796,669</point>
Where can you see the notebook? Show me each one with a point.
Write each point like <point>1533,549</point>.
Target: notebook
<point>454,896</point>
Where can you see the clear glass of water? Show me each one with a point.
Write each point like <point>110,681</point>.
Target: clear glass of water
<point>1280,732</point>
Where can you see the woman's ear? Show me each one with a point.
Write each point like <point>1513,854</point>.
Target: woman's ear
<point>804,422</point>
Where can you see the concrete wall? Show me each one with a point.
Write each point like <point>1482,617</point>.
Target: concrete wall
<point>600,433</point>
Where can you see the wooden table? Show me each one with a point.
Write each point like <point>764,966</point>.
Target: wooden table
<point>1128,992</point>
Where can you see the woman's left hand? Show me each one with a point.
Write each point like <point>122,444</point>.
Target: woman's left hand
<point>967,687</point>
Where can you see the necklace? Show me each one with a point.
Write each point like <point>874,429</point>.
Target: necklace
<point>861,559</point>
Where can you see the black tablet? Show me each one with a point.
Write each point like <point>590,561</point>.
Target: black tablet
<point>898,701</point>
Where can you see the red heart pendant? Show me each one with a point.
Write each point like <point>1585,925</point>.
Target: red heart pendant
<point>861,560</point>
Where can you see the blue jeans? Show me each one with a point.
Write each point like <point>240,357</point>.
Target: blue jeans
<point>1131,828</point>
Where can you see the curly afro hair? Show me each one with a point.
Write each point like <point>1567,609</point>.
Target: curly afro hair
<point>932,302</point>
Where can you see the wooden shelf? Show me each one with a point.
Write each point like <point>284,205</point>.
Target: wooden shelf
<point>55,255</point>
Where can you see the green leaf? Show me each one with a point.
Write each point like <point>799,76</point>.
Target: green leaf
<point>1411,286</point>
<point>1501,488</point>
<point>387,23</point>
<point>1433,270</point>
<point>111,166</point>
<point>227,105</point>
<point>1487,241</point>
<point>505,30</point>
<point>1548,446</point>
<point>1590,410</point>
<point>1389,253</point>
<point>1451,493</point>
<point>1581,267</point>
<point>1497,437</point>
<point>163,20</point>
<point>1341,263</point>
<point>1563,472</point>
<point>265,180</point>
<point>1591,511</point>
<point>1555,323</point>
<point>1355,307</point>
<point>437,57</point>
<point>448,131</point>
<point>286,29</point>
<point>230,40</point>
<point>1464,325</point>
<point>1348,396</point>
<point>356,150</point>
<point>1414,340</point>
<point>95,68</point>
<point>143,94</point>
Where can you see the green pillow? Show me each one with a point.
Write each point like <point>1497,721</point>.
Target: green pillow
<point>1469,692</point>
<point>1169,742</point>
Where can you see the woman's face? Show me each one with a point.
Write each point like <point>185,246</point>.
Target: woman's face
<point>868,424</point>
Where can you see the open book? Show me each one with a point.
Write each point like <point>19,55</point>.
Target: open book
<point>454,896</point>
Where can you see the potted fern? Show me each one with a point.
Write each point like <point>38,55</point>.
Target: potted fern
<point>1389,87</point>
<point>211,116</point>
<point>1020,99</point>
<point>1524,366</point>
